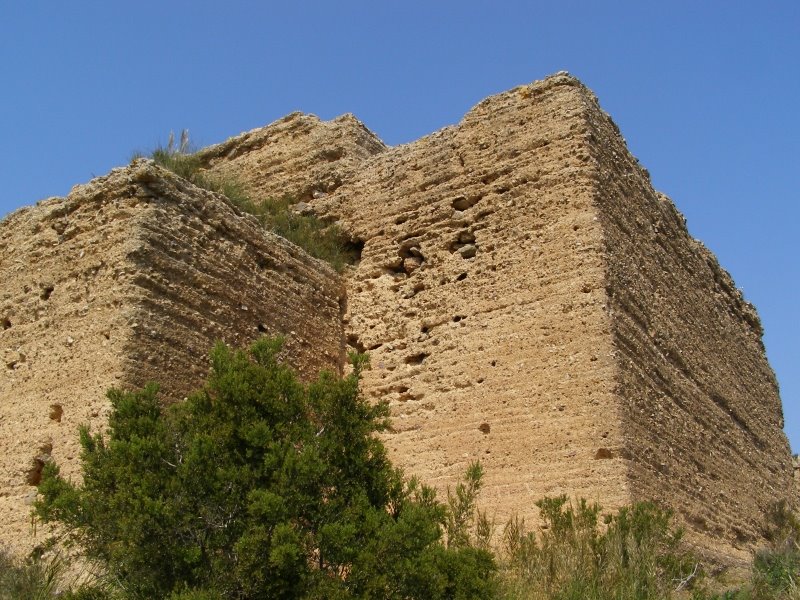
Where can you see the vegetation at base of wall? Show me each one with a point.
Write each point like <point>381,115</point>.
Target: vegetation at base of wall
<point>776,568</point>
<point>261,487</point>
<point>29,579</point>
<point>325,241</point>
<point>635,554</point>
<point>42,578</point>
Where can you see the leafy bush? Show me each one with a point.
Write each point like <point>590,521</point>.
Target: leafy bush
<point>321,240</point>
<point>324,241</point>
<point>41,578</point>
<point>259,487</point>
<point>29,580</point>
<point>637,556</point>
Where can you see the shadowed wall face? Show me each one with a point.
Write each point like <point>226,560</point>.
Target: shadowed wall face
<point>700,405</point>
<point>130,279</point>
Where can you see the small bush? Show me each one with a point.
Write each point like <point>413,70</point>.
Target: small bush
<point>636,556</point>
<point>41,578</point>
<point>324,241</point>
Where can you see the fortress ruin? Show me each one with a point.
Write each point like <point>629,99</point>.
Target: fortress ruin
<point>526,298</point>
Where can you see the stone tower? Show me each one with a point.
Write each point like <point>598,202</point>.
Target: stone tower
<point>529,300</point>
<point>525,295</point>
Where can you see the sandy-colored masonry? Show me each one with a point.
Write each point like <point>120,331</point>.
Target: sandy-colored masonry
<point>526,297</point>
<point>530,301</point>
<point>131,279</point>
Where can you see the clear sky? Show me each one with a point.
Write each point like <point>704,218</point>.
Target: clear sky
<point>707,95</point>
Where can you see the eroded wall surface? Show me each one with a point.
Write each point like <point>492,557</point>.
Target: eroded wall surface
<point>208,272</point>
<point>529,300</point>
<point>66,303</point>
<point>480,297</point>
<point>130,279</point>
<point>298,156</point>
<point>701,410</point>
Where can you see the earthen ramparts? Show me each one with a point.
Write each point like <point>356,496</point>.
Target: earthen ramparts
<point>525,295</point>
<point>130,279</point>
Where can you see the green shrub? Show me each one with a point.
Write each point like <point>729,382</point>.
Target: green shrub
<point>259,487</point>
<point>321,240</point>
<point>635,556</point>
<point>41,578</point>
<point>776,568</point>
<point>28,580</point>
<point>776,575</point>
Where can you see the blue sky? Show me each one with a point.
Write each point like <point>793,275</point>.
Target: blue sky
<point>706,94</point>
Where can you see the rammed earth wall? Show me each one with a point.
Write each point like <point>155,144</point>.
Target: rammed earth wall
<point>527,299</point>
<point>530,301</point>
<point>130,279</point>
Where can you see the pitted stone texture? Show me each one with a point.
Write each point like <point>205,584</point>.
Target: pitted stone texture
<point>530,301</point>
<point>496,346</point>
<point>130,279</point>
<point>298,156</point>
<point>701,411</point>
<point>526,297</point>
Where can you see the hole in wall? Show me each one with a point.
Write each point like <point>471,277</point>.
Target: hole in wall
<point>700,523</point>
<point>354,342</point>
<point>6,323</point>
<point>484,428</point>
<point>264,262</point>
<point>416,359</point>
<point>331,154</point>
<point>34,475</point>
<point>459,318</point>
<point>409,259</point>
<point>353,249</point>
<point>262,328</point>
<point>56,412</point>
<point>47,291</point>
<point>463,203</point>
<point>461,277</point>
